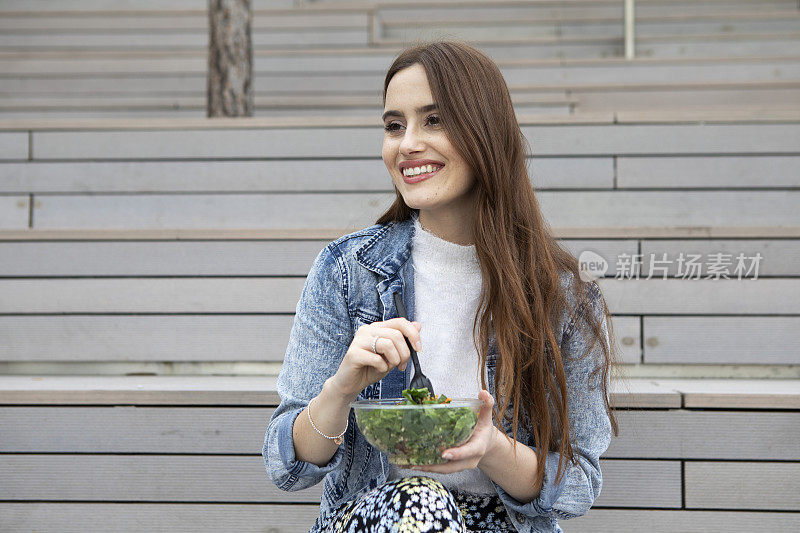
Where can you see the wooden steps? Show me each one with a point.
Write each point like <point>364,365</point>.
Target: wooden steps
<point>112,444</point>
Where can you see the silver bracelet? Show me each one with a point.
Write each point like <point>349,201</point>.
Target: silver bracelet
<point>338,438</point>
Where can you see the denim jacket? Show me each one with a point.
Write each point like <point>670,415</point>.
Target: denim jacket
<point>350,284</point>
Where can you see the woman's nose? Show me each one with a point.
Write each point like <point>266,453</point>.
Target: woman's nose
<point>412,141</point>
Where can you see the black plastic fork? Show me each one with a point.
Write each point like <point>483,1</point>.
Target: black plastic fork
<point>419,381</point>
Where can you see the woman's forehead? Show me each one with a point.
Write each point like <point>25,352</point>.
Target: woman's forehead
<point>410,86</point>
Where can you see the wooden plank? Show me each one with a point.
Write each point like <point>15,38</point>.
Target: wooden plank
<point>14,212</point>
<point>174,20</point>
<point>151,295</point>
<point>534,10</point>
<point>651,139</point>
<point>701,172</point>
<point>678,103</point>
<point>651,208</point>
<point>160,258</point>
<point>721,340</point>
<point>220,211</point>
<point>30,234</point>
<point>680,434</point>
<point>139,390</point>
<point>577,75</point>
<point>765,111</point>
<point>360,142</point>
<point>778,257</point>
<point>268,104</point>
<point>298,518</point>
<point>11,66</point>
<point>587,209</point>
<point>632,483</point>
<point>198,258</point>
<point>280,295</point>
<point>627,337</point>
<point>644,434</point>
<point>145,478</point>
<point>121,6</point>
<point>272,38</point>
<point>13,145</point>
<point>736,393</point>
<point>568,173</point>
<point>746,486</point>
<point>238,479</point>
<point>690,297</point>
<point>602,27</point>
<point>172,338</point>
<point>261,176</point>
<point>639,394</point>
<point>226,390</point>
<point>655,521</point>
<point>177,338</point>
<point>129,429</point>
<point>300,142</point>
<point>174,517</point>
<point>144,40</point>
<point>754,47</point>
<point>329,234</point>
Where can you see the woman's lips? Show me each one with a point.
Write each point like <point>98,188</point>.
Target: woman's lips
<point>420,177</point>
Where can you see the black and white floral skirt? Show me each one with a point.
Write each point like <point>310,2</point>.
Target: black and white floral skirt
<point>419,504</point>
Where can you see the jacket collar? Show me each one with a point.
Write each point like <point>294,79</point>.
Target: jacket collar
<point>388,249</point>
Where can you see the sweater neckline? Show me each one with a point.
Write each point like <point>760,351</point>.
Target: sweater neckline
<point>434,254</point>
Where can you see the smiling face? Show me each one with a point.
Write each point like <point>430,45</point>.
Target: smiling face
<point>414,137</point>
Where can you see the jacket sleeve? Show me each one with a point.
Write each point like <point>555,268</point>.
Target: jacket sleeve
<point>590,430</point>
<point>320,336</point>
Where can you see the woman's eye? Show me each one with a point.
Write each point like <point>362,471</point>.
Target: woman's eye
<point>393,127</point>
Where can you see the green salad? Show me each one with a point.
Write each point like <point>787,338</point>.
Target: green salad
<point>417,436</point>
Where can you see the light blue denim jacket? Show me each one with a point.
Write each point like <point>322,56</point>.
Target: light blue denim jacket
<point>350,284</point>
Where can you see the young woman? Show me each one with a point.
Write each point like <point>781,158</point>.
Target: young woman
<point>497,310</point>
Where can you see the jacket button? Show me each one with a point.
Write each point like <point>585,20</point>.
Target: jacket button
<point>519,516</point>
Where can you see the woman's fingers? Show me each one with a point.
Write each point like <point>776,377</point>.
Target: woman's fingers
<point>399,351</point>
<point>370,359</point>
<point>393,345</point>
<point>408,329</point>
<point>486,409</point>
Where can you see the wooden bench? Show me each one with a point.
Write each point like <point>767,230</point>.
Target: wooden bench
<point>141,453</point>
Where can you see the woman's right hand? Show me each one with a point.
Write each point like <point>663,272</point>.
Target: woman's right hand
<point>362,367</point>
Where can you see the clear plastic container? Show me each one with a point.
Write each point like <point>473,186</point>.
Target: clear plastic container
<point>416,434</point>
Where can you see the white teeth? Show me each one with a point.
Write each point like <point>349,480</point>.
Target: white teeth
<point>419,170</point>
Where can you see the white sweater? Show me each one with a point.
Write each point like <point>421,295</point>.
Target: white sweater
<point>447,286</point>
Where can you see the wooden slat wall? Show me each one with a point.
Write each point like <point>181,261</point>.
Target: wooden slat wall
<point>58,290</point>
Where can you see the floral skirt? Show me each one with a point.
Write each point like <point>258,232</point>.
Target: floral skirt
<point>419,503</point>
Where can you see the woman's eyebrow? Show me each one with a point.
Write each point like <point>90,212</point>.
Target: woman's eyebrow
<point>395,113</point>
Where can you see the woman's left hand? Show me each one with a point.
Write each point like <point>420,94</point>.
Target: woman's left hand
<point>480,443</point>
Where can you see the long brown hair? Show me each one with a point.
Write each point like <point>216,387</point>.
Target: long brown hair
<point>521,262</point>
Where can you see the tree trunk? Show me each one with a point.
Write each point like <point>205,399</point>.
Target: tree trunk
<point>230,59</point>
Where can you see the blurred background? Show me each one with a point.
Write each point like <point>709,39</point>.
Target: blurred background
<point>169,169</point>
